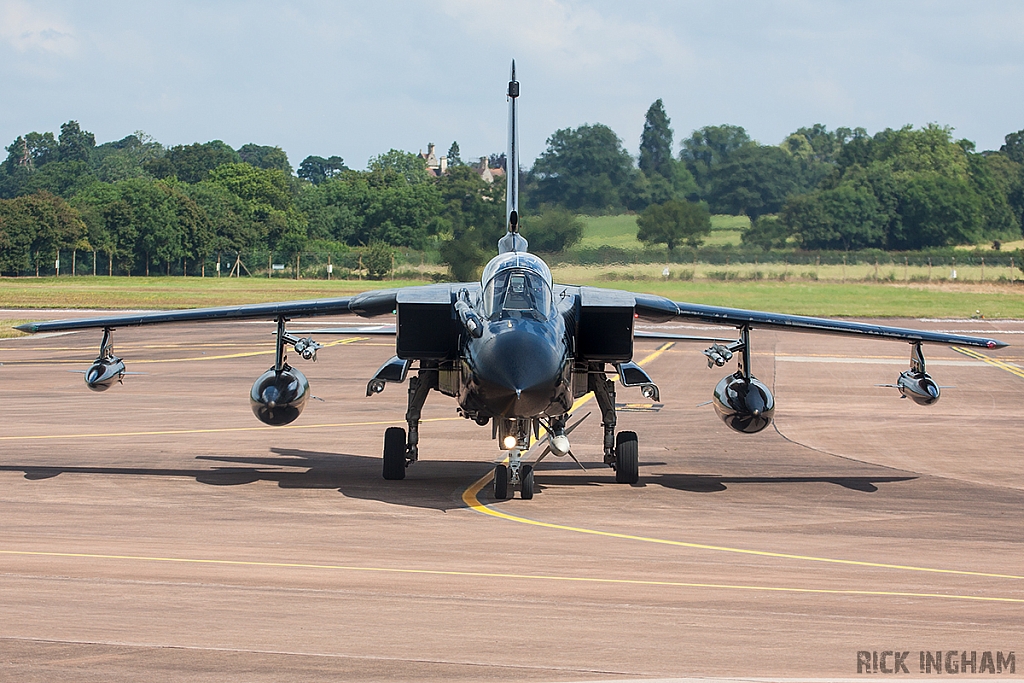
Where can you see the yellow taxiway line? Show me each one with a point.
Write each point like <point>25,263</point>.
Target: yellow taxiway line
<point>504,576</point>
<point>978,355</point>
<point>471,498</point>
<point>243,354</point>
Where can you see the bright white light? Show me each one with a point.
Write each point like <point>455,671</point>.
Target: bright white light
<point>510,442</point>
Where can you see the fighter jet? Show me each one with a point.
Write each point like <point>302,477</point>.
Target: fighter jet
<point>515,350</point>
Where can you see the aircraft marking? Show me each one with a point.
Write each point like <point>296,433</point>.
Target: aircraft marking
<point>989,360</point>
<point>504,576</point>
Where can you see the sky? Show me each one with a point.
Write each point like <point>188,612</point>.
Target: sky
<point>357,79</point>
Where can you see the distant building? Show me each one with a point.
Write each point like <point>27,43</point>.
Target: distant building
<point>435,165</point>
<point>487,173</point>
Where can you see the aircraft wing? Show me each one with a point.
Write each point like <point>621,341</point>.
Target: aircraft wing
<point>652,307</point>
<point>367,304</point>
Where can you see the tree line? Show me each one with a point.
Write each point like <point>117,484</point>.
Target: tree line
<point>150,208</point>
<point>842,189</point>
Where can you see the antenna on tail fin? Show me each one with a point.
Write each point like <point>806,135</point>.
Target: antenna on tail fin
<point>512,241</point>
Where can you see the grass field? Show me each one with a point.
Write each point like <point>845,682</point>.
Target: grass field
<point>620,231</point>
<point>939,299</point>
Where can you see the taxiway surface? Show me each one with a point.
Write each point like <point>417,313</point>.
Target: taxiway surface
<point>158,531</point>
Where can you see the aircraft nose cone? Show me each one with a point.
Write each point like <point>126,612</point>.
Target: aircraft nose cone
<point>518,372</point>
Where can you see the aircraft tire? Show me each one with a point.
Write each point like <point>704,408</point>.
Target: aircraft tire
<point>394,453</point>
<point>526,482</point>
<point>501,482</point>
<point>627,458</point>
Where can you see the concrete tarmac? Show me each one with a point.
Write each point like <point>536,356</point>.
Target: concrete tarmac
<point>158,531</point>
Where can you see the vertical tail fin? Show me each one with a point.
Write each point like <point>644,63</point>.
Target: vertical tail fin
<point>512,241</point>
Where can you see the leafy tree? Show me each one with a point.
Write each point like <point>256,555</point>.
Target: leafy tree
<point>847,217</point>
<point>402,215</point>
<point>17,233</point>
<point>1014,147</point>
<point>472,220</point>
<point>710,146</point>
<point>937,210</point>
<point>52,223</point>
<point>74,143</point>
<point>674,222</point>
<point>230,215</point>
<point>496,160</point>
<point>42,148</point>
<point>317,169</point>
<point>767,232</point>
<point>265,156</point>
<point>464,255</point>
<point>18,154</point>
<point>192,163</point>
<point>377,259</point>
<point>989,180</point>
<point>411,167</point>
<point>753,181</point>
<point>553,230</point>
<point>453,155</point>
<point>123,159</point>
<point>109,221</point>
<point>656,143</point>
<point>585,168</point>
<point>62,178</point>
<point>269,210</point>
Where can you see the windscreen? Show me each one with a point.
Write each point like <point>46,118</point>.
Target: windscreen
<point>517,294</point>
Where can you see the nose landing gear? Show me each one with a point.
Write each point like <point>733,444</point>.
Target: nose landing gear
<point>515,473</point>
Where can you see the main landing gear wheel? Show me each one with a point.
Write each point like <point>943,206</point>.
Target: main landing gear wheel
<point>394,453</point>
<point>501,482</point>
<point>627,458</point>
<point>526,482</point>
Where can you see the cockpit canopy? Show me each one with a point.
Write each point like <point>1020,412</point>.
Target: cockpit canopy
<point>517,285</point>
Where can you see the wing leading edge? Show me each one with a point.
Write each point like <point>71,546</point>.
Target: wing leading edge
<point>367,305</point>
<point>659,308</point>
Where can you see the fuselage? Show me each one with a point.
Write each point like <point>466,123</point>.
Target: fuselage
<point>519,366</point>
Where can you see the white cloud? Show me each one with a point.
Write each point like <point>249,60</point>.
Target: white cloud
<point>26,28</point>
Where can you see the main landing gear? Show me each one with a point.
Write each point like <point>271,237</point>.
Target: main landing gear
<point>622,450</point>
<point>400,452</point>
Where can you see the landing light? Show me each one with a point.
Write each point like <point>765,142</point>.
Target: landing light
<point>510,442</point>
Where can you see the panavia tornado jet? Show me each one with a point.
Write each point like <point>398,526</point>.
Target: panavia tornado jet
<point>515,350</point>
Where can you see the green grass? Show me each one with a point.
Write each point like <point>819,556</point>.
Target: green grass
<point>609,231</point>
<point>171,292</point>
<point>940,300</point>
<point>620,231</point>
<point>838,299</point>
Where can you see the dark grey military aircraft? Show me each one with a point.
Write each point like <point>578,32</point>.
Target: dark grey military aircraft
<point>515,350</point>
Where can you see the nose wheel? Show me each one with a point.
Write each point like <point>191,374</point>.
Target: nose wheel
<point>501,482</point>
<point>508,477</point>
